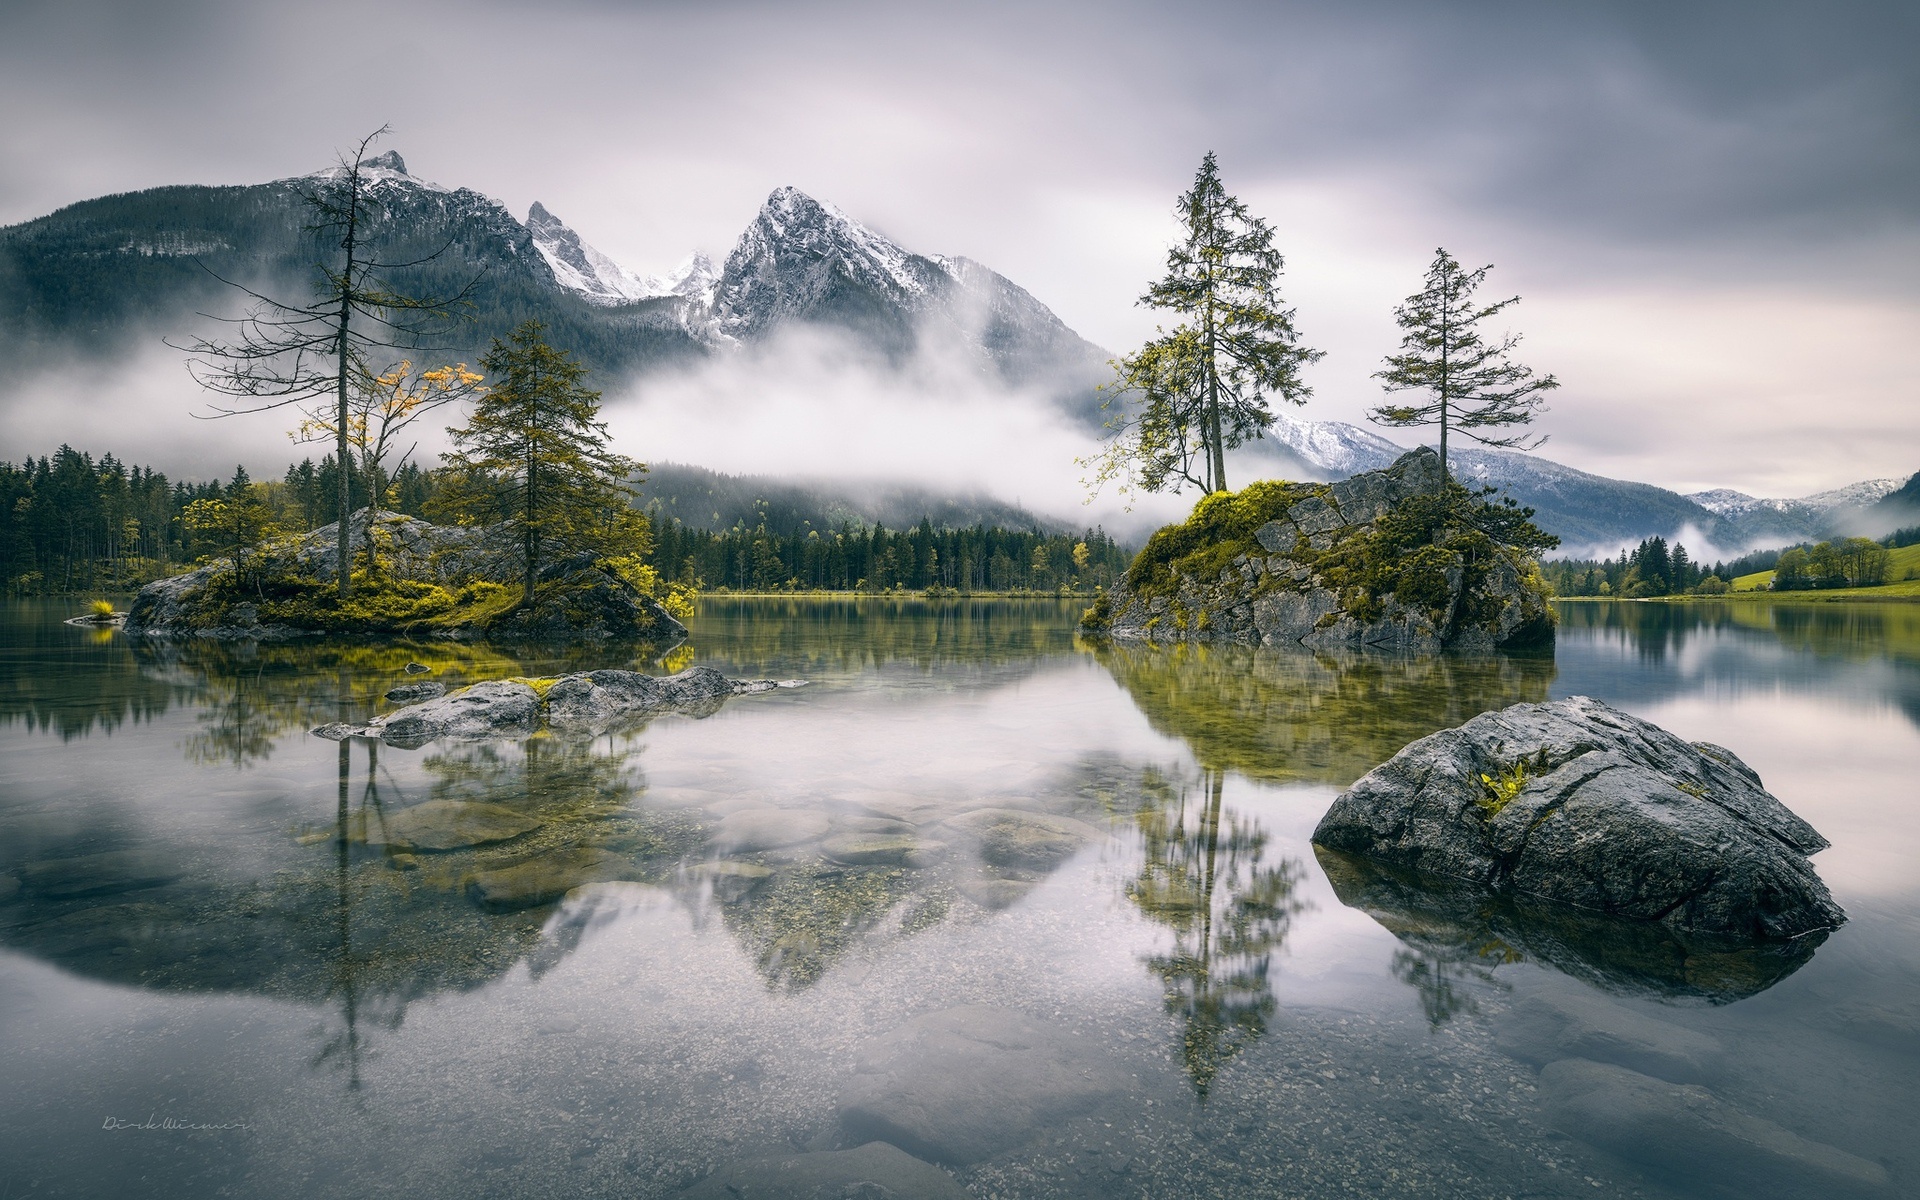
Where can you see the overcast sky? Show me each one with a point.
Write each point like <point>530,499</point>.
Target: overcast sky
<point>1712,210</point>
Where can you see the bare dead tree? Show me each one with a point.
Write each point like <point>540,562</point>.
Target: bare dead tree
<point>282,353</point>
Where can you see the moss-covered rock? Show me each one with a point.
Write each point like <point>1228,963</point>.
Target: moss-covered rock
<point>425,580</point>
<point>1398,559</point>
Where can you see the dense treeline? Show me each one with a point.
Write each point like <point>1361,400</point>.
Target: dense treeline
<point>71,523</point>
<point>1654,568</point>
<point>853,557</point>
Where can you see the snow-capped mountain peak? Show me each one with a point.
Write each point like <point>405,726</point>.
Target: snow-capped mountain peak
<point>386,167</point>
<point>1728,503</point>
<point>580,268</point>
<point>1334,446</point>
<point>801,256</point>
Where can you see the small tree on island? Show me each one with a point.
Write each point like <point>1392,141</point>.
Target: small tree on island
<point>235,521</point>
<point>1473,384</point>
<point>534,457</point>
<point>379,410</point>
<point>1203,387</point>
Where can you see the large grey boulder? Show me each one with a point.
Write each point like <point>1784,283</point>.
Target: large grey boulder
<point>966,1084</point>
<point>1607,812</point>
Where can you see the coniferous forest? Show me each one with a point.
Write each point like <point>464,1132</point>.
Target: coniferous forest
<point>71,523</point>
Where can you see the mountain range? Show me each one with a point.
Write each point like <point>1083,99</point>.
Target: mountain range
<point>108,274</point>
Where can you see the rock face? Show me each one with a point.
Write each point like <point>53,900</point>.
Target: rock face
<point>574,599</point>
<point>1276,594</point>
<point>966,1084</point>
<point>1601,811</point>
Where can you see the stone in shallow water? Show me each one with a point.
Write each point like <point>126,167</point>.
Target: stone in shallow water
<point>491,709</point>
<point>541,880</point>
<point>106,874</point>
<point>732,880</point>
<point>1686,1133</point>
<point>966,1084</point>
<point>408,693</point>
<point>1008,837</point>
<point>1613,815</point>
<point>753,829</point>
<point>447,825</point>
<point>1567,1023</point>
<point>875,1171</point>
<point>871,849</point>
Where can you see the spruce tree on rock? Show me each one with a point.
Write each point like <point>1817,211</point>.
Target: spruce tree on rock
<point>1204,385</point>
<point>534,457</point>
<point>1472,384</point>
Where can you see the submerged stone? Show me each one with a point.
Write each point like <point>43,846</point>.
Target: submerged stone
<point>966,1084</point>
<point>1011,837</point>
<point>541,880</point>
<point>871,849</point>
<point>412,692</point>
<point>447,825</point>
<point>1569,1022</point>
<point>1691,1136</point>
<point>1579,803</point>
<point>875,1171</point>
<point>106,874</point>
<point>753,829</point>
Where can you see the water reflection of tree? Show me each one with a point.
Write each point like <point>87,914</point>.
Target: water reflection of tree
<point>1288,715</point>
<point>1204,876</point>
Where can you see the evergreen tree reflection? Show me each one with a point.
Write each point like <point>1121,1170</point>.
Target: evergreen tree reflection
<point>1205,876</point>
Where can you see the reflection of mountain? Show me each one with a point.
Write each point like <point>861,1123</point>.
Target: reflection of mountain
<point>1204,875</point>
<point>1635,653</point>
<point>1293,716</point>
<point>1455,934</point>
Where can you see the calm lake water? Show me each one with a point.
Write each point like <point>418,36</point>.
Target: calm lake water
<point>1042,910</point>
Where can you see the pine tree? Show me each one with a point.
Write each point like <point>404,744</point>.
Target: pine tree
<point>1203,387</point>
<point>1473,384</point>
<point>534,457</point>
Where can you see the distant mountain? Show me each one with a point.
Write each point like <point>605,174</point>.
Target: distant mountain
<point>1590,513</point>
<point>103,274</point>
<point>710,500</point>
<point>107,275</point>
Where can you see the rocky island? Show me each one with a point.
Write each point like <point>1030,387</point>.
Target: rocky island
<point>438,581</point>
<point>1398,559</point>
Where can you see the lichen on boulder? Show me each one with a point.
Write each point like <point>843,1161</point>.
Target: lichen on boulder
<point>1398,559</point>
